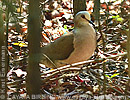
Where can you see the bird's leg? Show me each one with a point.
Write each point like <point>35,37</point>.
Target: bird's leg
<point>79,79</point>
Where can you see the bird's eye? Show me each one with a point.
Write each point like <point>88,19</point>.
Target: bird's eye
<point>83,16</point>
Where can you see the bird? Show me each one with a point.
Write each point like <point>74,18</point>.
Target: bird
<point>76,46</point>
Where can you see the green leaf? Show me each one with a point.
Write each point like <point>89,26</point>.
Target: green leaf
<point>65,27</point>
<point>107,76</point>
<point>115,75</point>
<point>120,19</point>
<point>117,16</point>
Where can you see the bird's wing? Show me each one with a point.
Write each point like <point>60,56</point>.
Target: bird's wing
<point>61,48</point>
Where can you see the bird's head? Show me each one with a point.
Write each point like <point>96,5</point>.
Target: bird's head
<point>82,18</point>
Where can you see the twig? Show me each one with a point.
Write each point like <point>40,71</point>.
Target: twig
<point>52,63</point>
<point>73,67</point>
<point>76,65</point>
<point>101,81</point>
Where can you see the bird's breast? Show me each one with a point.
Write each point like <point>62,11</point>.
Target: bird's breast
<point>84,46</point>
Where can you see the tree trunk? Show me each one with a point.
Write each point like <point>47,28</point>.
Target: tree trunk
<point>34,37</point>
<point>128,55</point>
<point>3,60</point>
<point>97,10</point>
<point>79,5</point>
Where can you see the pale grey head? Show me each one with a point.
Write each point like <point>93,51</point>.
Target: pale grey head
<point>82,18</point>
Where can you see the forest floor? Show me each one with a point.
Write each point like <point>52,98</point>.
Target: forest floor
<point>86,83</point>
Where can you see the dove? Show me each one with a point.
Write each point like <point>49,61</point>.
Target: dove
<point>76,46</point>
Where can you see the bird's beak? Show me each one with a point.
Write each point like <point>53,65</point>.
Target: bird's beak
<point>88,20</point>
<point>91,22</point>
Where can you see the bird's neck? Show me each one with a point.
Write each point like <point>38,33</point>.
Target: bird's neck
<point>82,29</point>
<point>81,24</point>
